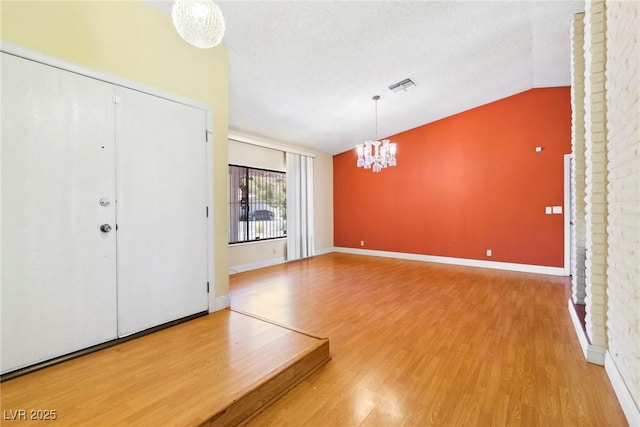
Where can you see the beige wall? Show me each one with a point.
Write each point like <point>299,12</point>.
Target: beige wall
<point>254,156</point>
<point>249,256</point>
<point>252,255</point>
<point>134,41</point>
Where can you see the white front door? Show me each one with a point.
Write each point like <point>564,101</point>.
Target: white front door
<point>58,267</point>
<point>162,199</point>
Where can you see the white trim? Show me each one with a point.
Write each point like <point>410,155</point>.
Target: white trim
<point>595,354</point>
<point>567,214</point>
<point>221,303</point>
<point>629,407</point>
<point>255,265</point>
<point>577,325</point>
<point>527,268</point>
<point>592,353</point>
<point>324,251</point>
<point>30,55</point>
<point>210,222</point>
<point>267,143</point>
<point>269,262</point>
<point>25,53</point>
<point>254,242</point>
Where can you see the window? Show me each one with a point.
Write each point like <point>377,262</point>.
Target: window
<point>257,204</point>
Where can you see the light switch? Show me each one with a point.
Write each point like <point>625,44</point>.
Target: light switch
<point>547,210</point>
<point>557,209</point>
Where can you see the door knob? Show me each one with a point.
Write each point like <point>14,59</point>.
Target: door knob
<point>105,228</point>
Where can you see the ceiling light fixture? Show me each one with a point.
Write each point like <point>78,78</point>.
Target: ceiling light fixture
<point>376,154</point>
<point>199,22</point>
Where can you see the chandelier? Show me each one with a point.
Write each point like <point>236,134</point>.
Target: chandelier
<point>376,154</point>
<point>199,22</point>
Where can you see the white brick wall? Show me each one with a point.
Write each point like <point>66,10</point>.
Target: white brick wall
<point>595,172</point>
<point>623,124</point>
<point>578,254</point>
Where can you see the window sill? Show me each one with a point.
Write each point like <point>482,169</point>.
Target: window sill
<point>253,242</point>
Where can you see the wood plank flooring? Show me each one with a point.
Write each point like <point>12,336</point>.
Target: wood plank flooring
<point>421,344</point>
<point>214,370</point>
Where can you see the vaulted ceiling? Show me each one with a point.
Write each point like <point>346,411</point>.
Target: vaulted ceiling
<point>304,72</point>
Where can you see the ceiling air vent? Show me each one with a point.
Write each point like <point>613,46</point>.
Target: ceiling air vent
<point>402,86</point>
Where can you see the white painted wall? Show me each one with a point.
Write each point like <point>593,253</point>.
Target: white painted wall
<point>623,197</point>
<point>595,172</point>
<point>578,181</point>
<point>323,203</point>
<point>612,191</point>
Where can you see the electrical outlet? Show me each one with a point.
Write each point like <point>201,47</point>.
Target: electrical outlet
<point>361,242</point>
<point>488,252</point>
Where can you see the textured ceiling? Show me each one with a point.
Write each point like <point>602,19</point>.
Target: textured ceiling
<point>304,72</point>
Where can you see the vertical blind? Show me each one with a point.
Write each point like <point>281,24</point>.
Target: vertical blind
<point>300,239</point>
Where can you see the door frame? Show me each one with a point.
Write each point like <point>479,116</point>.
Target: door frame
<point>568,211</point>
<point>28,54</point>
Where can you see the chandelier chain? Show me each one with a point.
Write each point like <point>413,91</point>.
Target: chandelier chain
<point>376,108</point>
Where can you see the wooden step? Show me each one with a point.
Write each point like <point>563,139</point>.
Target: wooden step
<point>217,370</point>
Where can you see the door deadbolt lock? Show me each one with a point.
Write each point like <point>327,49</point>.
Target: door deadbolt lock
<point>105,202</point>
<point>105,228</point>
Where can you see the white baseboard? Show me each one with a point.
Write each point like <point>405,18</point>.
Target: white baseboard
<point>629,407</point>
<point>255,265</point>
<point>324,251</point>
<point>577,325</point>
<point>595,354</point>
<point>592,353</point>
<point>269,262</point>
<point>220,303</point>
<point>527,268</point>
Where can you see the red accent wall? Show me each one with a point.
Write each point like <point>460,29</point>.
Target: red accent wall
<point>465,184</point>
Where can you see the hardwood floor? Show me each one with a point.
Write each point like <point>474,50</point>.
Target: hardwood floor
<point>421,344</point>
<point>212,371</point>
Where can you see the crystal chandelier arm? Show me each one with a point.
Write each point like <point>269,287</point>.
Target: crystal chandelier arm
<point>376,154</point>
<point>360,152</point>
